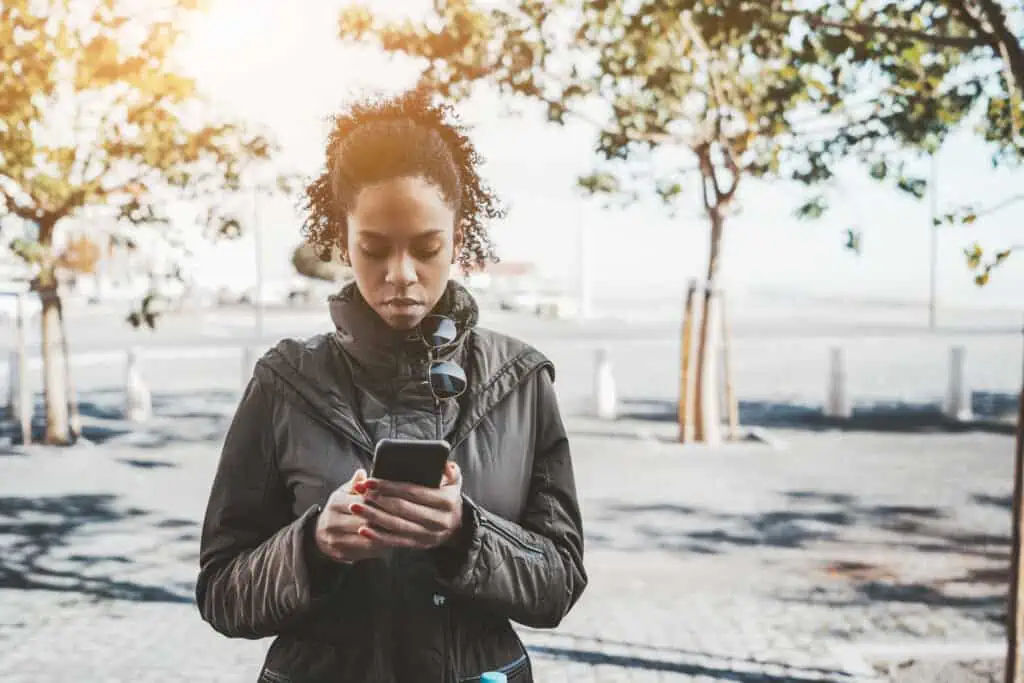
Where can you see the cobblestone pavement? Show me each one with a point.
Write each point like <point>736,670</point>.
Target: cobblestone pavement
<point>745,563</point>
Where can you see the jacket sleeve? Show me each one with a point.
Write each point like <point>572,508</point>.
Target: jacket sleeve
<point>259,566</point>
<point>531,572</point>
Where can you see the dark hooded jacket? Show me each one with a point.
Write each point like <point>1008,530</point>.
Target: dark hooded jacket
<point>308,419</point>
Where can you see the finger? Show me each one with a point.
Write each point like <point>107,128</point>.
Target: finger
<point>394,540</point>
<point>421,495</point>
<point>431,519</point>
<point>354,546</point>
<point>383,519</point>
<point>341,525</point>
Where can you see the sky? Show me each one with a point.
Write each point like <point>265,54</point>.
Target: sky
<point>281,66</point>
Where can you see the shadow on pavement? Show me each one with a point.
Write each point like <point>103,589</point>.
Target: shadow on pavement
<point>742,671</point>
<point>38,551</point>
<point>993,412</point>
<point>838,522</point>
<point>657,651</point>
<point>177,417</point>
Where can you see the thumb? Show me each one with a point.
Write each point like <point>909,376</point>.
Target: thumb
<point>452,472</point>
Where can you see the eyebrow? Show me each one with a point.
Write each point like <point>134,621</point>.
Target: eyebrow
<point>377,235</point>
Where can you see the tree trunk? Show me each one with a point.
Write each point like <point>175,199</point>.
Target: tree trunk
<point>708,420</point>
<point>687,369</point>
<point>54,390</point>
<point>75,421</point>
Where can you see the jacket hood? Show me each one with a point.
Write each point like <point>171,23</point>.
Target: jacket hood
<point>365,368</point>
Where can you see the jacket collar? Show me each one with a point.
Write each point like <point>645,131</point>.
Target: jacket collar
<point>376,347</point>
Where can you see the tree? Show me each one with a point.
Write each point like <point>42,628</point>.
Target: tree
<point>899,77</point>
<point>656,81</point>
<point>93,118</point>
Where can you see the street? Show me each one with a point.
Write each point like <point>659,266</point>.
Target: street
<point>815,561</point>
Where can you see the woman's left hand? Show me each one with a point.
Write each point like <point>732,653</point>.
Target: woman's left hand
<point>409,516</point>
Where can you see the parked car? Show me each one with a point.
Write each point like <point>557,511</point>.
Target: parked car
<point>537,298</point>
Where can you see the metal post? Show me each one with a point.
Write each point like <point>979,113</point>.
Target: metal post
<point>1015,616</point>
<point>934,243</point>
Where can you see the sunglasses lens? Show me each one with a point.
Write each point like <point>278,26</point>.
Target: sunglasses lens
<point>447,380</point>
<point>438,330</point>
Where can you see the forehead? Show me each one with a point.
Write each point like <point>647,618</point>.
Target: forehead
<point>401,205</point>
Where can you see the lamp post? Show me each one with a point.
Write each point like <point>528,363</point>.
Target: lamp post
<point>257,242</point>
<point>934,242</point>
<point>586,302</point>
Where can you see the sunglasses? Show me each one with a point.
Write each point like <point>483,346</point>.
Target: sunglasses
<point>447,380</point>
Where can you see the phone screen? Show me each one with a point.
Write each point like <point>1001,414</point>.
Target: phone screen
<point>413,461</point>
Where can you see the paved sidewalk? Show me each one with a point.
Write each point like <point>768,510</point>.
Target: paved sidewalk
<point>743,563</point>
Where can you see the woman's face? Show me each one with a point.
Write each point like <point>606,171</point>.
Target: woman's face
<point>401,244</point>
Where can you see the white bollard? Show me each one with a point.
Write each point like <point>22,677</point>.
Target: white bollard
<point>138,405</point>
<point>958,395</point>
<point>13,411</point>
<point>605,398</point>
<point>837,403</point>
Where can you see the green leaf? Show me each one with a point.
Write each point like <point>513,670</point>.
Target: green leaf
<point>974,254</point>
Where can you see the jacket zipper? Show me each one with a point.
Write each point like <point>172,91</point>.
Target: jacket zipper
<point>515,540</point>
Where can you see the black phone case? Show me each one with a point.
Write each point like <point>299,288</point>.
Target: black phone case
<point>413,461</point>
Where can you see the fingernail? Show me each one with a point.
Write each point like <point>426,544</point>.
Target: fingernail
<point>364,532</point>
<point>359,488</point>
<point>356,509</point>
<point>371,484</point>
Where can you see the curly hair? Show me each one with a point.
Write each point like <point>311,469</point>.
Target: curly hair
<point>391,137</point>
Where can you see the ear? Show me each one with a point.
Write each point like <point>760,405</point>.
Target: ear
<point>341,249</point>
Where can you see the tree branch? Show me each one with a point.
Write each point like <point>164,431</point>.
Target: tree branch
<point>1001,205</point>
<point>1012,53</point>
<point>22,212</point>
<point>865,29</point>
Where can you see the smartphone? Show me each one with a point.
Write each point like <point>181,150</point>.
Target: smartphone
<point>414,461</point>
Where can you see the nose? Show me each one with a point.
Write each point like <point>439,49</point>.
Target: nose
<point>401,271</point>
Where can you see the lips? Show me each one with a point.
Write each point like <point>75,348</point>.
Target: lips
<point>402,302</point>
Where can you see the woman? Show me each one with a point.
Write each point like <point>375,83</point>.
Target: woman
<point>363,580</point>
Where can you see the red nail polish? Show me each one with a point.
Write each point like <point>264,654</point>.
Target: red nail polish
<point>359,488</point>
<point>364,532</point>
<point>356,508</point>
<point>372,485</point>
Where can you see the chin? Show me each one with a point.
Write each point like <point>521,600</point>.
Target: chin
<point>401,322</point>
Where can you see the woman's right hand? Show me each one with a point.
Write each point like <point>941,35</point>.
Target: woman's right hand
<point>337,528</point>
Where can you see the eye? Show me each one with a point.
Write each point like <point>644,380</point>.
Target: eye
<point>427,252</point>
<point>373,252</point>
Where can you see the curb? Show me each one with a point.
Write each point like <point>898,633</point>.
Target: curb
<point>665,434</point>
